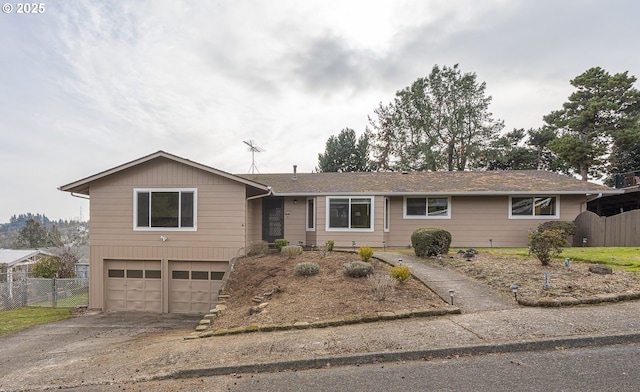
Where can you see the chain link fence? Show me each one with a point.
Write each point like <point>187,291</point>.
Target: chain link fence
<point>17,292</point>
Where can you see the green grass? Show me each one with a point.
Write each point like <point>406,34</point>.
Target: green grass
<point>623,258</point>
<point>21,318</point>
<point>70,302</point>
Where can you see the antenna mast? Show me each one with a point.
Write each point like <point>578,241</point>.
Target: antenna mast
<point>253,148</point>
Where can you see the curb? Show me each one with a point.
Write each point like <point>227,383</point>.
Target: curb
<point>384,357</point>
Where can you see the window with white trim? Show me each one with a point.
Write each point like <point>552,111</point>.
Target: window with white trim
<point>350,213</point>
<point>164,209</point>
<point>423,207</point>
<point>311,214</point>
<point>387,213</point>
<point>533,207</point>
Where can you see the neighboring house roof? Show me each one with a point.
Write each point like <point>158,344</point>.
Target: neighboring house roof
<point>12,257</point>
<point>441,182</point>
<point>82,186</point>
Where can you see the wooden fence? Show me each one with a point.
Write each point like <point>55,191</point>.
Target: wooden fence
<point>618,230</point>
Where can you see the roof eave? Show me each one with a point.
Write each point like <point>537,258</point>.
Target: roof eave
<point>459,193</point>
<point>82,186</point>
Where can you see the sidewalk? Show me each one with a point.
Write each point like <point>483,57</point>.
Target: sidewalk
<point>469,295</point>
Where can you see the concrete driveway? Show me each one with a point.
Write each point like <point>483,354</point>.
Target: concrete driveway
<point>108,343</point>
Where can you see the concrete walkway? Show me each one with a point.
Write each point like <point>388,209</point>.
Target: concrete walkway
<point>469,295</point>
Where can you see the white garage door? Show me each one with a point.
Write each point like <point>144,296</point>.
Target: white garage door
<point>133,285</point>
<point>194,285</point>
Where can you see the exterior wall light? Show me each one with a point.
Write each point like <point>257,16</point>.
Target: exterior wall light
<point>451,292</point>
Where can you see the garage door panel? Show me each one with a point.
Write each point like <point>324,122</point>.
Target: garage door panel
<point>127,288</point>
<point>194,285</point>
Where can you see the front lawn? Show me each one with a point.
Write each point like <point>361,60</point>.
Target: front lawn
<point>21,318</point>
<point>621,258</point>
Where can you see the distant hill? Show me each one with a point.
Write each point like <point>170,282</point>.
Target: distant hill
<point>68,228</point>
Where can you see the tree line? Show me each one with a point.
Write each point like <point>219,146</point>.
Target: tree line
<point>442,122</point>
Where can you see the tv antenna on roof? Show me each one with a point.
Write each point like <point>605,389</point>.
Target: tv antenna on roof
<point>253,148</point>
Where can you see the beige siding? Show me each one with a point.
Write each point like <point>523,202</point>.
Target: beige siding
<point>221,220</point>
<point>294,220</point>
<point>254,220</point>
<point>476,220</point>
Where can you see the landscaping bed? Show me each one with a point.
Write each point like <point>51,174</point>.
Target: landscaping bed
<point>329,295</point>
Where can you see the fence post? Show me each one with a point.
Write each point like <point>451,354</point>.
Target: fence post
<point>54,296</point>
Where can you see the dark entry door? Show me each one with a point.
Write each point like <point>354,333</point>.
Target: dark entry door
<point>272,219</point>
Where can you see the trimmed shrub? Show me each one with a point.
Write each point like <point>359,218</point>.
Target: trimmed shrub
<point>546,245</point>
<point>357,269</point>
<point>567,228</point>
<point>280,243</point>
<point>291,251</point>
<point>365,253</point>
<point>382,285</point>
<point>329,244</point>
<point>400,273</point>
<point>258,248</point>
<point>430,242</point>
<point>306,268</point>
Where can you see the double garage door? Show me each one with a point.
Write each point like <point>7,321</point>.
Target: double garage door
<point>191,286</point>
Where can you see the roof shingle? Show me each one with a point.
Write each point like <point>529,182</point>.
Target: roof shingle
<point>456,182</point>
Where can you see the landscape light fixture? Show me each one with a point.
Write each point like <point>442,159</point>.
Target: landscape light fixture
<point>491,242</point>
<point>399,261</point>
<point>384,246</point>
<point>439,256</point>
<point>567,262</point>
<point>514,290</point>
<point>546,280</point>
<point>353,245</point>
<point>584,241</point>
<point>451,292</point>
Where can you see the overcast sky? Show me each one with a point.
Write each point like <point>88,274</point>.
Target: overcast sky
<point>88,85</point>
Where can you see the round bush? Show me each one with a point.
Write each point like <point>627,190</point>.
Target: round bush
<point>357,269</point>
<point>430,242</point>
<point>306,268</point>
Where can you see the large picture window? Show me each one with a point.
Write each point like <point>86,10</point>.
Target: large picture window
<point>427,207</point>
<point>533,207</point>
<point>162,209</point>
<point>350,213</point>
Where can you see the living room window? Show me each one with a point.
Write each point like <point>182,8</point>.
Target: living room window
<point>350,213</point>
<point>164,209</point>
<point>533,207</point>
<point>427,207</point>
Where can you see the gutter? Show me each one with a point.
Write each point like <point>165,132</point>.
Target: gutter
<point>85,197</point>
<point>261,196</point>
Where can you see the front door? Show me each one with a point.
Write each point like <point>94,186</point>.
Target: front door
<point>272,219</point>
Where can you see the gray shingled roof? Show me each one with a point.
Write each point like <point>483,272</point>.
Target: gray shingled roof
<point>387,183</point>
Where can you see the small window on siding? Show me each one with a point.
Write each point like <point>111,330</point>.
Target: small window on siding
<point>311,214</point>
<point>427,207</point>
<point>533,207</point>
<point>217,275</point>
<point>387,213</point>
